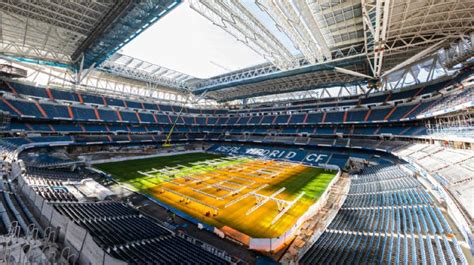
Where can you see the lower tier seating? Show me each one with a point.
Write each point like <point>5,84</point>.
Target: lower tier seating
<point>128,235</point>
<point>166,250</point>
<point>83,211</point>
<point>386,248</point>
<point>386,219</point>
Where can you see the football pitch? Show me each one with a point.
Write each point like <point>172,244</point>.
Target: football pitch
<point>260,198</point>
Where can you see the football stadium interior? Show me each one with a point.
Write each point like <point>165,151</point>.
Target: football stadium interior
<point>237,132</point>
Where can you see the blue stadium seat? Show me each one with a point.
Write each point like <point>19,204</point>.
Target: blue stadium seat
<point>55,111</point>
<point>221,121</point>
<point>395,130</point>
<point>150,106</point>
<point>40,127</point>
<point>117,128</point>
<point>64,95</point>
<point>136,128</point>
<point>115,102</point>
<point>399,112</point>
<point>314,118</point>
<point>17,126</point>
<point>133,104</point>
<point>26,107</point>
<point>373,99</point>
<point>335,117</point>
<point>92,99</point>
<point>146,117</point>
<point>176,119</point>
<point>163,119</point>
<point>254,120</point>
<point>365,130</point>
<point>83,113</point>
<point>165,108</point>
<point>67,127</point>
<point>30,90</point>
<point>108,115</point>
<point>386,218</point>
<point>5,107</point>
<point>267,119</point>
<point>297,119</point>
<point>325,131</point>
<point>356,115</point>
<point>188,120</point>
<point>94,128</point>
<point>378,114</point>
<point>282,119</point>
<point>128,116</point>
<point>201,121</point>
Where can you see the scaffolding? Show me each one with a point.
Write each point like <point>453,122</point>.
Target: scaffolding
<point>459,124</point>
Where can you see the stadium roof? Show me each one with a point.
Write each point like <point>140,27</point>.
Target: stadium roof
<point>63,31</point>
<point>307,44</point>
<point>340,42</point>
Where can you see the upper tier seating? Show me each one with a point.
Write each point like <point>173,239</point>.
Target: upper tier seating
<point>53,94</point>
<point>83,112</point>
<point>97,114</point>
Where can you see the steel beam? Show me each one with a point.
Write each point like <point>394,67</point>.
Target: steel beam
<point>420,55</point>
<point>279,12</point>
<point>235,19</point>
<point>313,27</point>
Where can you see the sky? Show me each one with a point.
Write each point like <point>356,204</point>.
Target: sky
<point>185,41</point>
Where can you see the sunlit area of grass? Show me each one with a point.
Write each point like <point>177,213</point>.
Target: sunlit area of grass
<point>198,189</point>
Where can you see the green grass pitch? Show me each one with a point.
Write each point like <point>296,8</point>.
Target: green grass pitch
<point>313,181</point>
